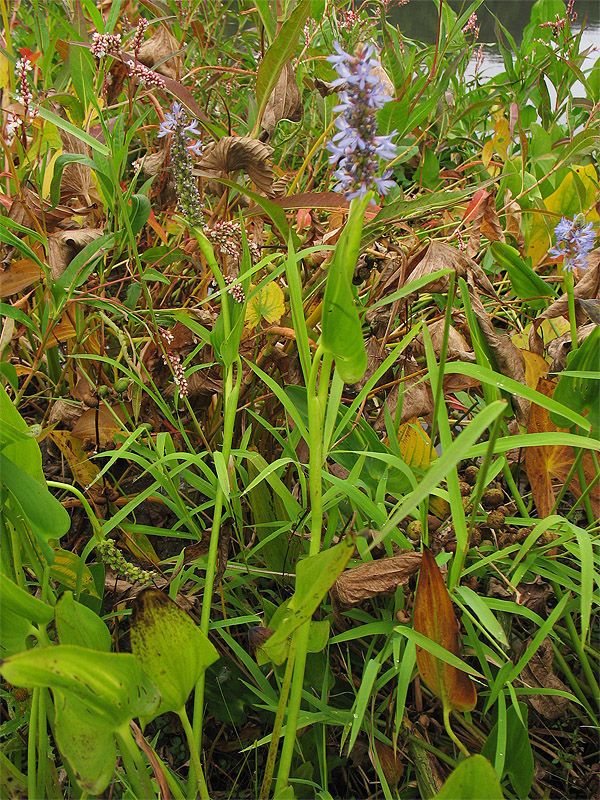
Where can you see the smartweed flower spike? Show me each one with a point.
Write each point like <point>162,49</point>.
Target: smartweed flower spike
<point>356,147</point>
<point>180,128</point>
<point>574,241</point>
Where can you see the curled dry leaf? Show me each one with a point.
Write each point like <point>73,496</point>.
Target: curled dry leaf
<point>538,673</point>
<point>63,246</point>
<point>508,357</point>
<point>484,222</point>
<point>285,101</point>
<point>391,765</point>
<point>417,399</point>
<point>65,413</point>
<point>439,255</point>
<point>76,178</point>
<point>434,617</point>
<point>27,205</point>
<point>382,576</point>
<point>458,347</point>
<point>233,153</point>
<point>513,221</point>
<point>552,463</point>
<point>104,420</point>
<point>157,53</point>
<point>559,348</point>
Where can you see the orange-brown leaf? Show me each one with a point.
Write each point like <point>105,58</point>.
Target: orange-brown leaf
<point>545,464</point>
<point>434,617</point>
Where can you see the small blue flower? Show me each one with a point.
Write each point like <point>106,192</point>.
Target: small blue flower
<point>574,241</point>
<point>355,147</point>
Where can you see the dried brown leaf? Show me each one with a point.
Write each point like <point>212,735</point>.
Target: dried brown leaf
<point>439,255</point>
<point>63,246</point>
<point>285,101</point>
<point>65,413</point>
<point>233,153</point>
<point>559,348</point>
<point>382,576</point>
<point>157,53</point>
<point>508,357</point>
<point>417,398</point>
<point>20,275</point>
<point>391,765</point>
<point>538,673</point>
<point>104,420</point>
<point>486,223</point>
<point>545,464</point>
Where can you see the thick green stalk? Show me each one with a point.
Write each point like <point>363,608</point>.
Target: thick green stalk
<point>134,765</point>
<point>201,786</point>
<point>317,401</point>
<point>230,398</point>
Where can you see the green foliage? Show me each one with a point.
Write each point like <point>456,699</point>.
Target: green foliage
<point>274,473</point>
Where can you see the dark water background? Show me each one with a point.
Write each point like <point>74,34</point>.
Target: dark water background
<point>419,19</point>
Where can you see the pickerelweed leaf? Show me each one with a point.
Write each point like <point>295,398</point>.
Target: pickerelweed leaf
<point>434,617</point>
<point>170,647</point>
<point>473,779</point>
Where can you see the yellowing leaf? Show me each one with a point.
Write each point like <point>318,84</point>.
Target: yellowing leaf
<point>66,569</point>
<point>536,367</point>
<point>415,445</point>
<point>268,304</point>
<point>84,471</point>
<point>5,70</point>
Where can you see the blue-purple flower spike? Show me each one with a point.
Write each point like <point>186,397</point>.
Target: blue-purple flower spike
<point>178,125</point>
<point>356,148</point>
<point>574,241</point>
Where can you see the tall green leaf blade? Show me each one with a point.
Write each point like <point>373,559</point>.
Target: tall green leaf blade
<point>342,332</point>
<point>282,49</point>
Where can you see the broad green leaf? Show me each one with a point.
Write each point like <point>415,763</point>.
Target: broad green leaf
<point>26,452</point>
<point>20,602</point>
<point>282,49</point>
<point>518,763</point>
<point>314,577</point>
<point>48,519</point>
<point>473,779</point>
<point>170,647</point>
<point>342,332</point>
<point>525,282</point>
<point>139,212</point>
<point>582,394</point>
<point>14,631</point>
<point>77,624</point>
<point>86,741</point>
<point>111,685</point>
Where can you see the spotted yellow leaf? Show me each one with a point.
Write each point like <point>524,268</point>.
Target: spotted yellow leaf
<point>268,304</point>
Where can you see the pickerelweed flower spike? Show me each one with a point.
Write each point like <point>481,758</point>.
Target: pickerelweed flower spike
<point>181,128</point>
<point>356,148</point>
<point>574,241</point>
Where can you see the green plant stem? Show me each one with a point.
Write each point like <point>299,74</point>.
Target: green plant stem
<point>230,398</point>
<point>42,744</point>
<point>31,744</point>
<point>278,724</point>
<point>317,401</point>
<point>134,764</point>
<point>569,286</point>
<point>194,755</point>
<point>574,684</point>
<point>451,733</point>
<point>514,492</point>
<point>67,487</point>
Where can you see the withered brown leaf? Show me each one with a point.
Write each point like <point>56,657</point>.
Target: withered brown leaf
<point>285,101</point>
<point>233,153</point>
